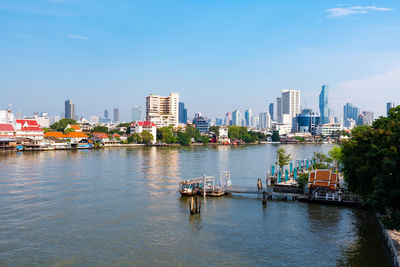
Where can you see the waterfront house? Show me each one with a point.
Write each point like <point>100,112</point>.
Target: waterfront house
<point>75,137</point>
<point>29,129</point>
<point>140,126</point>
<point>58,135</point>
<point>100,137</point>
<point>76,127</point>
<point>7,137</point>
<point>223,135</point>
<point>7,130</point>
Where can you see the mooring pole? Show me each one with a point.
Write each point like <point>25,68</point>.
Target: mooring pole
<point>204,186</point>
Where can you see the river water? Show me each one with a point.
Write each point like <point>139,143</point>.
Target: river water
<point>118,207</point>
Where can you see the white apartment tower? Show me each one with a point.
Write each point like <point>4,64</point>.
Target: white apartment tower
<point>290,103</point>
<point>163,111</point>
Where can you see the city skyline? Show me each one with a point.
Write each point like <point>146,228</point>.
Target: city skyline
<point>245,61</point>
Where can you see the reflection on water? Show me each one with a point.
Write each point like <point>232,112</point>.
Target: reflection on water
<point>121,207</point>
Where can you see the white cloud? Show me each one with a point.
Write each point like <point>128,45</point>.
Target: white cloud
<point>79,37</point>
<point>370,93</point>
<point>347,11</point>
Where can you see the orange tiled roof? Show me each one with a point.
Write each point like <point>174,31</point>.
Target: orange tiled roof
<point>75,127</point>
<point>100,135</point>
<point>76,135</point>
<point>55,134</point>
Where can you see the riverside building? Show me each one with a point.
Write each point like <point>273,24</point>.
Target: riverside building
<point>163,111</point>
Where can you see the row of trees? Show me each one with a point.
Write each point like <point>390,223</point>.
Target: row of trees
<point>371,159</point>
<point>169,136</point>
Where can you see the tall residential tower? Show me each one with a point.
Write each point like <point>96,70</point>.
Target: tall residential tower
<point>163,111</point>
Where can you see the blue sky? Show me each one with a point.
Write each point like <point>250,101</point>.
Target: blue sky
<point>219,55</point>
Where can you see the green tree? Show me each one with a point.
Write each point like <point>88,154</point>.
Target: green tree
<point>215,130</point>
<point>275,136</point>
<point>166,135</point>
<point>192,132</point>
<point>205,139</point>
<point>100,129</point>
<point>336,155</point>
<point>183,138</point>
<point>302,180</point>
<point>134,138</point>
<point>282,158</point>
<point>61,124</point>
<point>69,130</point>
<point>321,157</point>
<point>371,159</point>
<point>147,137</point>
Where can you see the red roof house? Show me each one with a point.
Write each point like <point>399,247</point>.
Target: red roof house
<point>7,130</point>
<point>29,129</point>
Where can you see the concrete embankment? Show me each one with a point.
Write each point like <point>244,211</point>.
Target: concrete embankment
<point>392,242</point>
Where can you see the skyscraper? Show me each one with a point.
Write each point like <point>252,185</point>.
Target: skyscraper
<point>323,104</point>
<point>228,118</point>
<point>271,110</point>
<point>264,120</point>
<point>389,105</point>
<point>69,110</point>
<point>182,113</point>
<point>247,117</point>
<point>236,118</point>
<point>350,112</point>
<point>163,111</point>
<point>290,103</point>
<point>116,114</point>
<point>279,110</point>
<point>106,114</point>
<point>136,113</point>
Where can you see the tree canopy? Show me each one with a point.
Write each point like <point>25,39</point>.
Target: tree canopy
<point>100,129</point>
<point>282,158</point>
<point>61,124</point>
<point>371,159</point>
<point>146,137</point>
<point>166,135</point>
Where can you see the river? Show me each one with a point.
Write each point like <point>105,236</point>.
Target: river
<point>120,206</point>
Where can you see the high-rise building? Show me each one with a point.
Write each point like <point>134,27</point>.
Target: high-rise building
<point>69,110</point>
<point>163,111</point>
<point>279,109</point>
<point>201,123</point>
<point>389,105</point>
<point>182,113</point>
<point>236,118</point>
<point>350,112</point>
<point>290,103</point>
<point>218,122</point>
<point>136,113</point>
<point>106,114</point>
<point>255,121</point>
<point>116,114</point>
<point>323,104</point>
<point>307,122</point>
<point>366,118</point>
<point>271,110</point>
<point>228,119</point>
<point>264,120</point>
<point>247,117</point>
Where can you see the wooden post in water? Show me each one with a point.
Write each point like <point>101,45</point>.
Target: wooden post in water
<point>264,198</point>
<point>195,205</point>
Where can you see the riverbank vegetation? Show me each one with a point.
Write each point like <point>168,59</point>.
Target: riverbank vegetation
<point>371,159</point>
